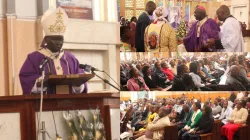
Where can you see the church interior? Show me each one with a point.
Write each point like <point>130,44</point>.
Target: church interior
<point>154,101</point>
<point>92,41</point>
<point>238,8</point>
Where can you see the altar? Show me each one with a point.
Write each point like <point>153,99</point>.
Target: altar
<point>18,114</point>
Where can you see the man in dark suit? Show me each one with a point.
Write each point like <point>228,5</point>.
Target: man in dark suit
<point>141,24</point>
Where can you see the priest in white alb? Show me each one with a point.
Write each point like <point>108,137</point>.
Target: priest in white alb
<point>231,38</point>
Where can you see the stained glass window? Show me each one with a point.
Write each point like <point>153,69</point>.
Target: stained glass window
<point>134,8</point>
<point>129,3</point>
<point>129,14</point>
<point>140,4</point>
<point>138,13</point>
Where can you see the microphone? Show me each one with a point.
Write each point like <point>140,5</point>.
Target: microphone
<point>45,61</point>
<point>88,68</point>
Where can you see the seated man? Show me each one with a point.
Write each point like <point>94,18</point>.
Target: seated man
<point>60,62</point>
<point>192,122</point>
<point>144,121</point>
<point>155,129</point>
<point>160,76</point>
<point>225,113</point>
<point>233,79</point>
<point>237,119</point>
<point>184,116</point>
<point>216,108</point>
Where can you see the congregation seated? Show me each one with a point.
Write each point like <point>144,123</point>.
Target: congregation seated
<point>204,126</point>
<point>238,118</point>
<point>160,76</point>
<point>225,113</point>
<point>155,129</point>
<point>183,81</point>
<point>216,108</point>
<point>192,122</point>
<point>149,78</point>
<point>195,122</point>
<point>208,73</point>
<point>136,82</point>
<point>183,118</point>
<point>233,79</point>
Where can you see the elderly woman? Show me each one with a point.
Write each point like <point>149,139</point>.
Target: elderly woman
<point>237,119</point>
<point>160,36</point>
<point>136,83</point>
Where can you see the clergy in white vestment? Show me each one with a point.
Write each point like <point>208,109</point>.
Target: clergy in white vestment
<point>231,39</point>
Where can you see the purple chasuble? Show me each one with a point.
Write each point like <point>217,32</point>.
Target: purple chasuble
<point>208,30</point>
<point>30,70</point>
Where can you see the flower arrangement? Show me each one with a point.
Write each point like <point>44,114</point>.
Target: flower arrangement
<point>81,128</point>
<point>181,32</point>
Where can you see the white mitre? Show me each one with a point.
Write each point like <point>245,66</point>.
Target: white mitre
<point>54,21</point>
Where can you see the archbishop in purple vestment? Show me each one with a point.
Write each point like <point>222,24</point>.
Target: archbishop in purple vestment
<point>60,62</point>
<point>30,70</point>
<point>208,30</point>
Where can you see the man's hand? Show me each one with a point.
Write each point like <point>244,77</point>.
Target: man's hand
<point>184,129</point>
<point>45,82</point>
<point>210,42</point>
<point>198,132</point>
<point>193,132</point>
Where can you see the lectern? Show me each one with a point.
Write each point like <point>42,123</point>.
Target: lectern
<point>60,84</point>
<point>26,106</point>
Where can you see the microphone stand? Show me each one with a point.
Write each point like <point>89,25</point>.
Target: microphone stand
<point>42,130</point>
<point>105,80</point>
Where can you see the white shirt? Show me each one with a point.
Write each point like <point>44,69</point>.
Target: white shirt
<point>197,80</point>
<point>225,114</point>
<point>231,36</point>
<point>240,95</point>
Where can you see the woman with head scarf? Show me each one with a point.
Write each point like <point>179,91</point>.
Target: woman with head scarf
<point>160,36</point>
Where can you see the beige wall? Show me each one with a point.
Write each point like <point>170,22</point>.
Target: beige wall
<point>3,58</point>
<point>25,44</point>
<point>21,36</point>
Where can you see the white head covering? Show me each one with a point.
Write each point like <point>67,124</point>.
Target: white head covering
<point>54,21</point>
<point>163,11</point>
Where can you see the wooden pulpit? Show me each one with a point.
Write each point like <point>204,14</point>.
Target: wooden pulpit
<point>20,112</point>
<point>61,83</point>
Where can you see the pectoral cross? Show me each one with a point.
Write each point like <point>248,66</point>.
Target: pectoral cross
<point>58,68</point>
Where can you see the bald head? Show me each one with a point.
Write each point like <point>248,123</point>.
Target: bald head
<point>223,12</point>
<point>234,71</point>
<point>150,7</point>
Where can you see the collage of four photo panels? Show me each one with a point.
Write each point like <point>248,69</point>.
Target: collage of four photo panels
<point>184,69</point>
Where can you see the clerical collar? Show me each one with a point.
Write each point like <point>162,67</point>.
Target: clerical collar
<point>228,17</point>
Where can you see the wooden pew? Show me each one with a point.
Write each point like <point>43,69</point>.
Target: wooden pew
<point>246,33</point>
<point>216,132</point>
<point>244,130</point>
<point>171,132</point>
<point>126,118</point>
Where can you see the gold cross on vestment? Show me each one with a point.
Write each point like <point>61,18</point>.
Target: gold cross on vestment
<point>58,68</point>
<point>59,14</point>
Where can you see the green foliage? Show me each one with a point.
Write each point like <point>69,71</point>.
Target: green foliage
<point>181,31</point>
